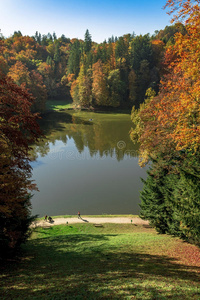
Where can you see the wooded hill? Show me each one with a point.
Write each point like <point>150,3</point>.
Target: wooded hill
<point>114,73</point>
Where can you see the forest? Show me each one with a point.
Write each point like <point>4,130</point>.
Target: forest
<point>115,73</point>
<point>157,76</point>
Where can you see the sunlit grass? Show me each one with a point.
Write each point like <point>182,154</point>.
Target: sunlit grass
<point>116,261</point>
<point>58,104</point>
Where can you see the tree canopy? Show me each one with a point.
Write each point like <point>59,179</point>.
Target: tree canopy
<point>49,66</point>
<point>167,127</point>
<point>18,128</point>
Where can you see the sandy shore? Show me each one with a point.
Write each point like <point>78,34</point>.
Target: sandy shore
<point>99,220</point>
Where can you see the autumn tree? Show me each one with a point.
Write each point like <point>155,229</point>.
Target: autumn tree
<point>74,92</point>
<point>3,62</point>
<point>33,82</point>
<point>171,121</point>
<point>38,90</point>
<point>19,73</point>
<point>18,128</point>
<point>57,58</point>
<point>174,114</point>
<point>84,87</point>
<point>99,85</point>
<point>47,72</point>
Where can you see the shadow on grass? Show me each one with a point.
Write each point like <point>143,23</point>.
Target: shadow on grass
<point>86,266</point>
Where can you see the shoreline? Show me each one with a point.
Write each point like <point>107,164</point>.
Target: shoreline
<point>92,216</point>
<point>117,219</point>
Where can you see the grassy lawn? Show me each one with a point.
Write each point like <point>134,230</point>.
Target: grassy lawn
<point>116,261</point>
<point>58,104</point>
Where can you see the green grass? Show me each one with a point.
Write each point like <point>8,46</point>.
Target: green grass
<point>116,261</point>
<point>58,104</point>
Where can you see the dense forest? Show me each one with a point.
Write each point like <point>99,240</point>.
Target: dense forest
<point>114,73</point>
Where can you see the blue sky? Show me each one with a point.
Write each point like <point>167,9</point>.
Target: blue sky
<point>103,18</point>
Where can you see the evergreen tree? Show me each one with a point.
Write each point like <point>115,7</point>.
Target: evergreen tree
<point>38,38</point>
<point>87,42</point>
<point>141,49</point>
<point>17,34</point>
<point>44,41</point>
<point>49,60</point>
<point>74,59</point>
<point>64,39</point>
<point>171,193</point>
<point>153,206</point>
<point>116,88</point>
<point>132,87</point>
<point>49,38</point>
<point>121,49</point>
<point>57,56</point>
<point>54,36</point>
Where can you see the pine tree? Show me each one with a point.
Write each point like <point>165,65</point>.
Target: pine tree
<point>87,41</point>
<point>116,88</point>
<point>153,206</point>
<point>74,59</point>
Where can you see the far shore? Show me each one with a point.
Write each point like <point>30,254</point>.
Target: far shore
<point>94,219</point>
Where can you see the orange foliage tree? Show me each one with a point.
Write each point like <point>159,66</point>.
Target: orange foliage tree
<point>19,73</point>
<point>99,85</point>
<point>33,81</point>
<point>172,119</point>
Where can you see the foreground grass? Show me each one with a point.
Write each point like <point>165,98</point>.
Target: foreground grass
<point>116,261</point>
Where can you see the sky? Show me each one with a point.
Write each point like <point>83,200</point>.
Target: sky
<point>103,18</point>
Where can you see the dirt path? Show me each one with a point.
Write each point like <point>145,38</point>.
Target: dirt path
<point>118,220</point>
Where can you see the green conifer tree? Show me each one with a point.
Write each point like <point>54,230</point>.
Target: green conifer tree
<point>87,41</point>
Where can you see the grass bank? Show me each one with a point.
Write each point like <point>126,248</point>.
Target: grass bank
<point>116,261</point>
<point>57,105</point>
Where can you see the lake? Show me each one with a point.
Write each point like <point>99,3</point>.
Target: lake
<point>86,163</point>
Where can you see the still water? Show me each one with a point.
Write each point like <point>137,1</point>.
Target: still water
<point>86,163</point>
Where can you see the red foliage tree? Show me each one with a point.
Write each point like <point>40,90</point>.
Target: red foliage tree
<point>18,129</point>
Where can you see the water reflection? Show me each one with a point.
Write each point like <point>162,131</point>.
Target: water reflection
<point>104,135</point>
<point>86,163</point>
